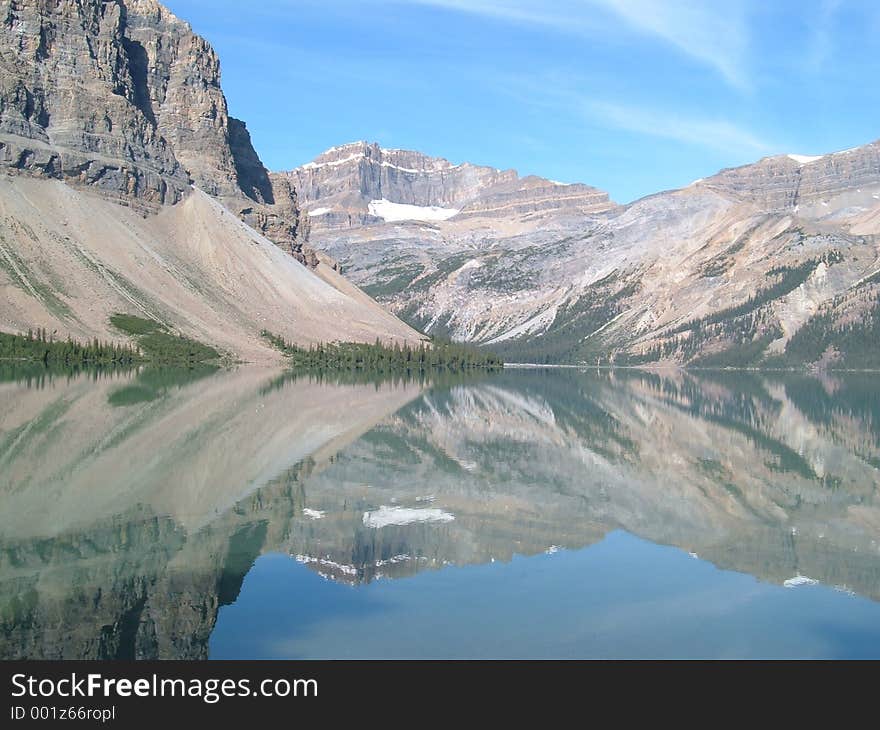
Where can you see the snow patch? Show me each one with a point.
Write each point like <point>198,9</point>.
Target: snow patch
<point>385,516</point>
<point>313,514</point>
<point>326,563</point>
<point>320,211</point>
<point>331,163</point>
<point>394,559</point>
<point>799,580</point>
<point>805,159</point>
<point>392,212</point>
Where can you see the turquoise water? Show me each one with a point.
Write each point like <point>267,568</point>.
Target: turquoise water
<point>524,514</point>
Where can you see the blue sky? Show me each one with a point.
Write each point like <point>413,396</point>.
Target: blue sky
<point>633,96</point>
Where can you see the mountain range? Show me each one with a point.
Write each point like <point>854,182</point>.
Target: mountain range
<point>128,187</point>
<point>774,263</point>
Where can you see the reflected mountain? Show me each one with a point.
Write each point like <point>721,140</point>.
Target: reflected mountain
<point>127,523</point>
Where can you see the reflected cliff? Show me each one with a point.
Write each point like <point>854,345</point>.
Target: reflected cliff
<point>127,522</point>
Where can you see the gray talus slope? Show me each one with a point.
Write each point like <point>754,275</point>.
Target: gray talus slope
<point>70,259</point>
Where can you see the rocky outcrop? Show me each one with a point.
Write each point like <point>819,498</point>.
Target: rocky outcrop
<point>352,185</point>
<point>74,103</point>
<point>124,98</point>
<point>785,182</point>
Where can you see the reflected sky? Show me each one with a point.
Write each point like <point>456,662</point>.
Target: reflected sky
<point>623,597</point>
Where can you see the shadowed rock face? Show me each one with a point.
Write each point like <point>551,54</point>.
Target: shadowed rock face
<point>76,102</point>
<point>140,519</point>
<point>124,98</point>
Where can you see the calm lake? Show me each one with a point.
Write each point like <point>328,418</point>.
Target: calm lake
<point>532,513</point>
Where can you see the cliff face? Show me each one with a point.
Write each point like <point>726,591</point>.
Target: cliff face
<point>785,182</point>
<point>74,103</point>
<point>124,98</point>
<point>362,183</point>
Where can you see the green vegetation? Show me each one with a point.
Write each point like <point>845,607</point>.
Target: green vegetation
<point>159,346</point>
<point>790,278</point>
<point>153,383</point>
<point>855,342</point>
<point>156,346</point>
<point>41,346</point>
<point>378,358</point>
<point>394,280</point>
<point>744,354</point>
<point>135,326</point>
<point>572,336</point>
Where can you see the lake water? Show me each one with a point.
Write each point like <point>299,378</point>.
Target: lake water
<point>524,514</point>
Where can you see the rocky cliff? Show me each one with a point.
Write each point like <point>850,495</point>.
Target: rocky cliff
<point>362,183</point>
<point>786,182</point>
<point>124,98</point>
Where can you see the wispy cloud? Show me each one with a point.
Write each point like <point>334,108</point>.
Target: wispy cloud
<point>715,34</point>
<point>716,134</point>
<point>564,95</point>
<point>820,46</point>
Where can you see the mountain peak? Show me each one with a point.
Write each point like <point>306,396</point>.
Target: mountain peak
<point>362,183</point>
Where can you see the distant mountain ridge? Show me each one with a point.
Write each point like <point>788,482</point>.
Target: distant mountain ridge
<point>361,183</point>
<point>786,182</point>
<point>773,263</point>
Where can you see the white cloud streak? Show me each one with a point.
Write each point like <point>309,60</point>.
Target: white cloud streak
<point>564,96</point>
<point>716,134</point>
<point>714,33</point>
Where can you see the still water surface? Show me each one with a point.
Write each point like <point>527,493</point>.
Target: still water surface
<point>526,514</point>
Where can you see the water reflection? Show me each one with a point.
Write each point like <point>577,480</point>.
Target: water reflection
<point>127,522</point>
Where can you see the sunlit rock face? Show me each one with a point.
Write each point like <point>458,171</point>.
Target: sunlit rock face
<point>132,513</point>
